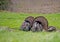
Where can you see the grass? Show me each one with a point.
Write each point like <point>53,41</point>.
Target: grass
<point>21,36</point>
<point>14,20</point>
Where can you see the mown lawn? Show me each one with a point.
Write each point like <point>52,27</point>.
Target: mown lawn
<point>14,20</point>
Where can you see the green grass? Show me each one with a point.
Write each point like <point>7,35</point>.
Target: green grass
<point>14,20</point>
<point>21,36</point>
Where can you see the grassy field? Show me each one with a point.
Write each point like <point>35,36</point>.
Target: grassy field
<point>14,20</point>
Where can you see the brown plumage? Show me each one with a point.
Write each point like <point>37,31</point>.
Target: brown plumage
<point>51,28</point>
<point>43,21</point>
<point>30,19</point>
<point>36,27</point>
<point>27,24</point>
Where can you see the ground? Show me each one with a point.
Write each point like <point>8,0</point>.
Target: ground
<point>14,20</point>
